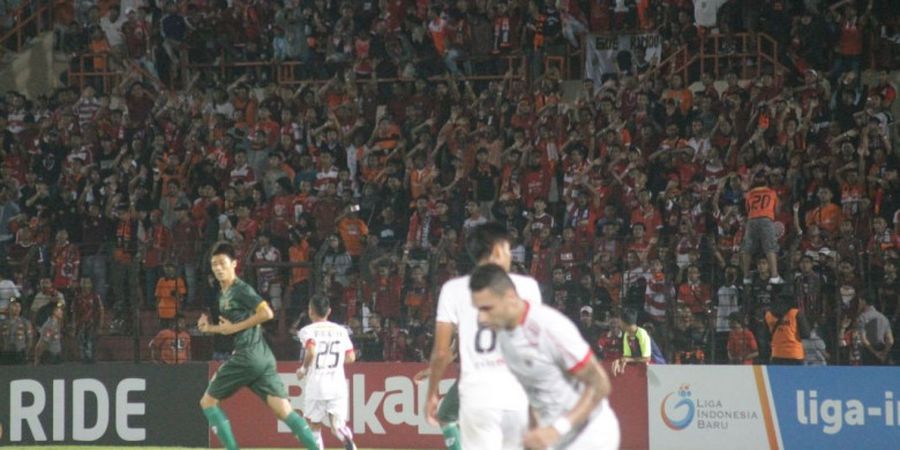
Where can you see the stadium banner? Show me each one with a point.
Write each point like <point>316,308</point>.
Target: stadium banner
<point>387,409</point>
<point>774,407</point>
<point>603,51</point>
<point>837,407</point>
<point>117,404</point>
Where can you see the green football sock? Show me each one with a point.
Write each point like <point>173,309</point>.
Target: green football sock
<point>451,436</point>
<point>301,429</point>
<point>220,426</point>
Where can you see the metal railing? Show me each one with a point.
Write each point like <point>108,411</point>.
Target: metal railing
<point>83,71</point>
<point>758,48</point>
<point>30,19</point>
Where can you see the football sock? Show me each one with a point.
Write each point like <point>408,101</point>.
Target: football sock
<point>301,430</point>
<point>451,436</point>
<point>346,436</point>
<point>320,443</point>
<point>220,426</point>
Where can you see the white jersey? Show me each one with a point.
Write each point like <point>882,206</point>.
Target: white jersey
<point>543,352</point>
<point>485,381</point>
<point>325,377</point>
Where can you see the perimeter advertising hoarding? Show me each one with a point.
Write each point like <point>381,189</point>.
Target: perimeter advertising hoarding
<point>774,407</point>
<point>102,404</point>
<point>387,409</point>
<point>837,407</point>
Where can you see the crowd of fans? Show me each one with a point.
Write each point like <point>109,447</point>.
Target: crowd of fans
<point>626,202</point>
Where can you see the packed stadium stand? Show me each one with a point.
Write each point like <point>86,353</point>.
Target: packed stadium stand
<point>349,147</point>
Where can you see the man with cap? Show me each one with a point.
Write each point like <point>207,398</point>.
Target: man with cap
<point>589,328</point>
<point>16,335</point>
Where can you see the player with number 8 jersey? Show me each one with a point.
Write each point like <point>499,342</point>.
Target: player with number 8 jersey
<point>493,407</point>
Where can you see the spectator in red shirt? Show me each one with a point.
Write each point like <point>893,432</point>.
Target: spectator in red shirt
<point>741,343</point>
<point>693,293</point>
<point>87,318</point>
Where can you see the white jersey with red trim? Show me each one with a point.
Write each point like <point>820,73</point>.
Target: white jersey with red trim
<point>544,352</point>
<point>325,377</point>
<point>485,381</point>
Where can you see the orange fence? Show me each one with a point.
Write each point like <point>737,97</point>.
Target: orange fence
<point>759,49</point>
<point>30,18</point>
<point>93,69</point>
<point>99,70</point>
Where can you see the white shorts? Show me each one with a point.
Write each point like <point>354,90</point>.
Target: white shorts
<point>482,428</point>
<point>601,433</point>
<point>318,411</point>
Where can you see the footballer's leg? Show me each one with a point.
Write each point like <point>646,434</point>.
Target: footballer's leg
<point>448,416</point>
<point>301,430</point>
<point>233,375</point>
<point>342,431</point>
<point>218,421</point>
<point>315,413</point>
<point>270,388</point>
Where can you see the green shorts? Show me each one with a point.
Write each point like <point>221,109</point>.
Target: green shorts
<point>254,368</point>
<point>448,411</point>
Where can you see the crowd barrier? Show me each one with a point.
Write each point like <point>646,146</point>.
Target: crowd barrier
<point>660,407</point>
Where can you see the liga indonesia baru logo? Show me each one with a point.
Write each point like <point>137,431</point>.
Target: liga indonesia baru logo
<point>681,412</point>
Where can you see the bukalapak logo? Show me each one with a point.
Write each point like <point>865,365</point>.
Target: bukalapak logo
<point>680,409</point>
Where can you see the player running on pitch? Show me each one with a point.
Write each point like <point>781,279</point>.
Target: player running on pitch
<point>493,408</point>
<point>241,311</point>
<point>567,388</point>
<point>327,348</point>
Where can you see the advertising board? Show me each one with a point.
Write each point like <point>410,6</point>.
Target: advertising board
<point>103,404</point>
<point>773,407</point>
<point>387,409</point>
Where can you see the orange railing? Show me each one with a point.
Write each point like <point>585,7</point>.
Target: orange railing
<point>82,71</point>
<point>759,48</point>
<point>286,72</point>
<point>31,18</point>
<point>93,69</point>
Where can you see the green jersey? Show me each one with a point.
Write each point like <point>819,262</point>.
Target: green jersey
<point>238,303</point>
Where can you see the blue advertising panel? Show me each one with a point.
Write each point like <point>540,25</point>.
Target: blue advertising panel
<point>837,407</point>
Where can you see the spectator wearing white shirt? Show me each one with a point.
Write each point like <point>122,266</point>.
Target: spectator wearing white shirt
<point>8,290</point>
<point>112,28</point>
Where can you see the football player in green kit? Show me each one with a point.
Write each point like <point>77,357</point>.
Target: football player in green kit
<point>241,312</point>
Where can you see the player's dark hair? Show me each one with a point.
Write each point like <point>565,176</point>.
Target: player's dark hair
<point>483,238</point>
<point>629,317</point>
<point>490,276</point>
<point>321,304</point>
<point>224,248</point>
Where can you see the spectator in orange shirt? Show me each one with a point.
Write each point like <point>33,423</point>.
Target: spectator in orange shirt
<point>299,252</point>
<point>827,216</point>
<point>353,231</point>
<point>170,291</point>
<point>683,96</point>
<point>172,345</point>
<point>741,343</point>
<point>762,204</point>
<point>788,327</point>
<point>100,48</point>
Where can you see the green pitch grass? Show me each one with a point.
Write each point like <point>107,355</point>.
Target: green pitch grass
<point>90,447</point>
